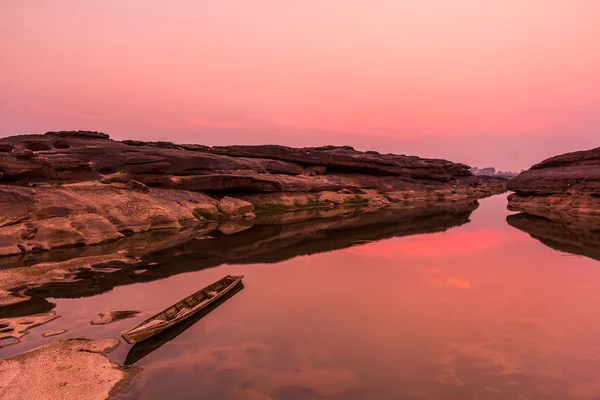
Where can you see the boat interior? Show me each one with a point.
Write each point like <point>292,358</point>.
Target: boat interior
<point>186,305</point>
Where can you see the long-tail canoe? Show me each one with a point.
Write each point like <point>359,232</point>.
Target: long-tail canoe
<point>181,310</point>
<point>142,349</point>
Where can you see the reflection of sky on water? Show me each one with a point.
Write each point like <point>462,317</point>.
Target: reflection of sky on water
<point>479,311</point>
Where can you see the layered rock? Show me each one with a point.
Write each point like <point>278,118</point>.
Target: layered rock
<point>37,219</point>
<point>561,188</point>
<point>73,188</point>
<point>84,156</point>
<point>271,237</point>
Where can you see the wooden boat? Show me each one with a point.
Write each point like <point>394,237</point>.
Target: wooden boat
<point>142,349</point>
<point>181,310</point>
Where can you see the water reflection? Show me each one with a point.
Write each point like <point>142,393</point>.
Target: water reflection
<point>578,238</point>
<point>480,311</point>
<point>272,239</point>
<point>142,349</point>
<point>477,312</point>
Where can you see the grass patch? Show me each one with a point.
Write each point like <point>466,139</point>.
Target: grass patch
<point>356,201</point>
<point>277,208</point>
<point>310,202</point>
<point>273,207</point>
<point>56,183</point>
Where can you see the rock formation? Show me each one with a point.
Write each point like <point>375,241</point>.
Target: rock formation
<point>147,256</point>
<point>70,369</point>
<point>74,188</point>
<point>561,188</point>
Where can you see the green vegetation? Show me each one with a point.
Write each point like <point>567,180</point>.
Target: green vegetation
<point>314,203</point>
<point>356,201</point>
<point>276,208</point>
<point>273,207</point>
<point>56,183</point>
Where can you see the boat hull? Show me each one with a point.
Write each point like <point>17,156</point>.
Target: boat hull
<point>136,337</point>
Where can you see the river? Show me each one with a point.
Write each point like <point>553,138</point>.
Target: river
<point>479,311</point>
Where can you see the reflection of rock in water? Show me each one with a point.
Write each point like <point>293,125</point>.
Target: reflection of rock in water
<point>272,239</point>
<point>142,349</point>
<point>565,235</point>
<point>108,317</point>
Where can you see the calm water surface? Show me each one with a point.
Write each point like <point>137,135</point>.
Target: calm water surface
<point>481,311</point>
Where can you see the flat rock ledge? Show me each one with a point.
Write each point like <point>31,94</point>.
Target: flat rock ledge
<point>582,210</point>
<point>80,188</point>
<point>54,332</point>
<point>564,188</point>
<point>72,369</point>
<point>13,329</point>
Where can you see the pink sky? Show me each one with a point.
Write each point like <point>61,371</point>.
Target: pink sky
<point>503,83</point>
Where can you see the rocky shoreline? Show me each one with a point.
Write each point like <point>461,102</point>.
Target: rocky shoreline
<point>26,280</point>
<point>69,369</point>
<point>84,214</point>
<point>81,188</point>
<point>558,201</point>
<point>565,187</point>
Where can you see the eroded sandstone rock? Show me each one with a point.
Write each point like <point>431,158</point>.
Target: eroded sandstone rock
<point>562,188</point>
<point>71,369</point>
<point>574,173</point>
<point>39,219</point>
<point>17,327</point>
<point>81,188</point>
<point>54,332</point>
<point>378,202</point>
<point>233,206</point>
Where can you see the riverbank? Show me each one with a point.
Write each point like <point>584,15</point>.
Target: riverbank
<point>65,189</point>
<point>72,369</point>
<point>562,188</point>
<point>84,214</point>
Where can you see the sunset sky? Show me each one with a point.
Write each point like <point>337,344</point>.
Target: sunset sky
<point>488,83</point>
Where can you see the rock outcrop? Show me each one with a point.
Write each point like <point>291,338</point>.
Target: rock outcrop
<point>270,238</point>
<point>561,188</point>
<point>13,329</point>
<point>70,369</point>
<point>73,188</point>
<point>85,156</point>
<point>572,173</point>
<point>233,206</point>
<point>38,219</point>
